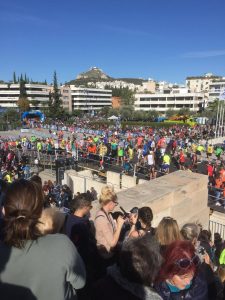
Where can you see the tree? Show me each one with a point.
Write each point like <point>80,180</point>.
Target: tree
<point>23,93</point>
<point>24,104</point>
<point>11,115</point>
<point>14,77</point>
<point>211,110</point>
<point>55,102</point>
<point>126,112</point>
<point>170,113</point>
<point>184,112</point>
<point>104,111</point>
<point>35,103</point>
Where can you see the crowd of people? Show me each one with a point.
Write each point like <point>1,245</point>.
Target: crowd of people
<point>53,248</point>
<point>49,253</point>
<point>135,151</point>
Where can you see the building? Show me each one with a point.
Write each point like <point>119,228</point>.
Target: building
<point>216,87</point>
<point>65,92</point>
<point>90,99</point>
<point>38,94</point>
<point>175,100</point>
<point>116,102</point>
<point>198,84</point>
<point>149,86</point>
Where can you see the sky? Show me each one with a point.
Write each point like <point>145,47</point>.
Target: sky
<point>158,39</point>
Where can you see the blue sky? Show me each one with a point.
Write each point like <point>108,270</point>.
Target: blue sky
<point>160,39</point>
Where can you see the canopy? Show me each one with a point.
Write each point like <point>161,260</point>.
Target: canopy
<point>113,118</point>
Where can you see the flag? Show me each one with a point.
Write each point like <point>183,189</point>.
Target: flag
<point>222,95</point>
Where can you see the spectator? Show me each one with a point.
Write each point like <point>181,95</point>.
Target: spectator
<point>45,271</point>
<point>191,231</point>
<point>145,217</point>
<point>94,193</point>
<point>178,277</point>
<point>221,274</point>
<point>138,265</point>
<point>51,221</point>
<point>107,231</point>
<point>167,232</point>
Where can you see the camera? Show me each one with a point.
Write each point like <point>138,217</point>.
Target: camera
<point>201,250</point>
<point>125,214</point>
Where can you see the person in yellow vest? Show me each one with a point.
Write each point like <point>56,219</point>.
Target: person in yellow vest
<point>8,177</point>
<point>193,147</point>
<point>209,151</point>
<point>166,163</point>
<point>102,150</point>
<point>199,151</point>
<point>130,152</point>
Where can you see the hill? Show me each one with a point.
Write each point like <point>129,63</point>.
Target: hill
<point>95,74</point>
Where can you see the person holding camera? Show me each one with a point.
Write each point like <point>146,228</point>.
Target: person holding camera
<point>107,230</point>
<point>144,217</point>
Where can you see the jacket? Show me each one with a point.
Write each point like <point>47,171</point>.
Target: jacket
<point>197,291</point>
<point>115,286</point>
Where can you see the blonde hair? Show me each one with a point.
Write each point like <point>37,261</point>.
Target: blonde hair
<point>107,195</point>
<point>221,273</point>
<point>51,221</point>
<point>168,231</point>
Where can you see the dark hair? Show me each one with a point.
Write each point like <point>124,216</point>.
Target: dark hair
<point>204,236</point>
<point>23,207</point>
<point>80,201</point>
<point>140,260</point>
<point>146,216</point>
<point>37,179</point>
<point>173,253</point>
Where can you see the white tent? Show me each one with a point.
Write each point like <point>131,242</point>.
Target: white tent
<point>113,118</point>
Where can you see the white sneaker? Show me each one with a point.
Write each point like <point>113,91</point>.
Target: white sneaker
<point>218,204</point>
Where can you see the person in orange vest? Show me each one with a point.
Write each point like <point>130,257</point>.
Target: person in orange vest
<point>92,149</point>
<point>222,174</point>
<point>182,160</point>
<point>218,186</point>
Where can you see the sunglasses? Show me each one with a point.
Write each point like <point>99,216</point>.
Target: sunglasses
<point>185,263</point>
<point>115,202</point>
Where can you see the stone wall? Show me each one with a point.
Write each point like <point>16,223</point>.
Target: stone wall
<point>182,195</point>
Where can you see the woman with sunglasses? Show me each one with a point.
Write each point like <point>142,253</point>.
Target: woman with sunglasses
<point>178,277</point>
<point>107,231</point>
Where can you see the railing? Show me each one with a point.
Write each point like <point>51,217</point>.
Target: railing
<point>216,227</point>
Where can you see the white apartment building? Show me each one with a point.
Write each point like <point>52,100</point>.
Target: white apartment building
<point>65,92</point>
<point>216,87</point>
<point>198,84</point>
<point>173,100</point>
<point>90,99</point>
<point>9,94</point>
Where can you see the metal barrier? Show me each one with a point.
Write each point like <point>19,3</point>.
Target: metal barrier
<point>217,227</point>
